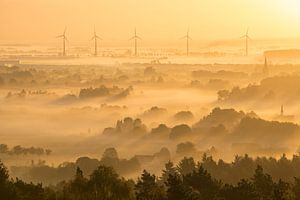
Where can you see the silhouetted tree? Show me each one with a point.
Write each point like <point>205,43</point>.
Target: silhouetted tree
<point>281,190</point>
<point>186,149</point>
<point>5,190</point>
<point>176,189</point>
<point>187,181</point>
<point>78,187</point>
<point>170,169</point>
<point>180,132</point>
<point>263,184</point>
<point>27,191</point>
<point>201,181</point>
<point>295,188</point>
<point>244,190</point>
<point>3,148</point>
<point>147,188</point>
<point>106,184</point>
<point>186,166</point>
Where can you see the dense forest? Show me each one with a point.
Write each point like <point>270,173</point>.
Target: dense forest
<point>245,178</point>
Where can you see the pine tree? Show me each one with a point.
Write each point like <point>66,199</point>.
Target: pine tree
<point>147,188</point>
<point>170,169</point>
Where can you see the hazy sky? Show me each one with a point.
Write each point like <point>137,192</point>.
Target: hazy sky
<point>42,20</point>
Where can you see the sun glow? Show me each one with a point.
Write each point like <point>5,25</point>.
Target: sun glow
<point>290,7</point>
<point>116,19</point>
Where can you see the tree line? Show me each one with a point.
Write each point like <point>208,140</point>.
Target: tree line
<point>187,180</point>
<point>19,150</point>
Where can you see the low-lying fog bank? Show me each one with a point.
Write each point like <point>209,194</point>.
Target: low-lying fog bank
<point>55,116</point>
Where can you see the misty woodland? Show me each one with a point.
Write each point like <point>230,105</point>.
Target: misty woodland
<point>187,180</point>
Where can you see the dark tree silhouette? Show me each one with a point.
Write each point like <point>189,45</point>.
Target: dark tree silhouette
<point>170,169</point>
<point>147,188</point>
<point>186,166</point>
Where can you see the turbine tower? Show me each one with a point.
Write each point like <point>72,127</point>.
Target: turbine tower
<point>246,36</point>
<point>135,38</point>
<point>64,38</point>
<point>188,38</point>
<point>95,38</point>
<point>266,67</point>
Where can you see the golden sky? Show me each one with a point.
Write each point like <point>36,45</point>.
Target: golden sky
<point>41,20</point>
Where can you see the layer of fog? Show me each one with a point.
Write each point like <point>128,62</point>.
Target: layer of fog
<point>47,108</point>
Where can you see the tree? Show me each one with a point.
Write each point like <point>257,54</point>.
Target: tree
<point>5,190</point>
<point>3,173</point>
<point>110,158</point>
<point>3,148</point>
<point>170,169</point>
<point>48,152</point>
<point>281,190</point>
<point>295,188</point>
<point>18,150</point>
<point>186,166</point>
<point>106,184</point>
<point>244,190</point>
<point>177,190</point>
<point>78,186</point>
<point>201,181</point>
<point>180,132</point>
<point>27,191</point>
<point>175,187</point>
<point>186,148</point>
<point>263,184</point>
<point>110,153</point>
<point>147,188</point>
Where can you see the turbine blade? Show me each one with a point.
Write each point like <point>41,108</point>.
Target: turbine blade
<point>65,30</point>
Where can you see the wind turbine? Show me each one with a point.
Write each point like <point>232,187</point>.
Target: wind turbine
<point>64,38</point>
<point>188,38</point>
<point>95,38</point>
<point>135,38</point>
<point>246,36</point>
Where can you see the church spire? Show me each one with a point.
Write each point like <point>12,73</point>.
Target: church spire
<point>266,68</point>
